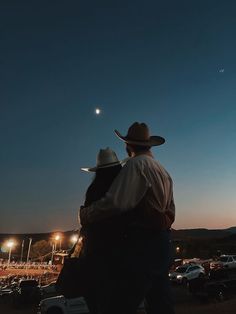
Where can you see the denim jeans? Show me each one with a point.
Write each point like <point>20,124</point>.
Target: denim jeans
<point>139,272</point>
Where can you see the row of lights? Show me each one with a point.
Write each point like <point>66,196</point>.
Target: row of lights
<point>57,237</point>
<point>10,244</point>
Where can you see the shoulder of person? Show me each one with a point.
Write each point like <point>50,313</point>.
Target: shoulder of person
<point>138,161</point>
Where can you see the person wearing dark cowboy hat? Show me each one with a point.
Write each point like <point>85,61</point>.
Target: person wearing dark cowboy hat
<point>144,188</point>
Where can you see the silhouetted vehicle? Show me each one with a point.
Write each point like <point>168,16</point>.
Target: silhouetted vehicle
<point>61,305</point>
<point>219,285</point>
<point>176,263</point>
<point>28,292</point>
<point>5,294</point>
<point>48,290</point>
<point>225,261</point>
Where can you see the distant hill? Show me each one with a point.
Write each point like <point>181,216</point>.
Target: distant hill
<point>203,233</point>
<point>232,230</point>
<point>193,242</point>
<point>230,239</point>
<point>180,233</point>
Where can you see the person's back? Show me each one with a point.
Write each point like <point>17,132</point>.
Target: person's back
<point>156,210</point>
<point>145,188</point>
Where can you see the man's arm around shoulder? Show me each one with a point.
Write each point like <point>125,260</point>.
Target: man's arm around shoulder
<point>125,193</point>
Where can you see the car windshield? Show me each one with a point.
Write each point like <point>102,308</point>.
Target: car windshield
<point>181,269</point>
<point>224,259</point>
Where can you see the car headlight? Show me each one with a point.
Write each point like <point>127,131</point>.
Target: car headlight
<point>179,277</point>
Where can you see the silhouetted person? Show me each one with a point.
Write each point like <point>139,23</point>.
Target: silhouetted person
<point>143,187</point>
<point>100,240</point>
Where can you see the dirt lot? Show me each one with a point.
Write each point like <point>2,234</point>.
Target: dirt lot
<point>185,304</point>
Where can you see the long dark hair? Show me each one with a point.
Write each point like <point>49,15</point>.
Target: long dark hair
<point>101,183</point>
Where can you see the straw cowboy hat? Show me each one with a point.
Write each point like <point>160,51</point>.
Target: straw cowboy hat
<point>138,134</point>
<point>105,158</point>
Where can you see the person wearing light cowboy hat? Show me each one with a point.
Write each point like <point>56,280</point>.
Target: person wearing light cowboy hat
<point>100,240</point>
<point>145,188</point>
<point>107,168</point>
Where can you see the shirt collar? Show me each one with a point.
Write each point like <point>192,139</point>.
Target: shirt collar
<point>149,153</point>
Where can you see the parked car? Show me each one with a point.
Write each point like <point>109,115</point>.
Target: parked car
<point>220,284</point>
<point>5,293</point>
<point>28,292</point>
<point>225,261</point>
<point>184,273</point>
<point>61,305</point>
<point>48,290</point>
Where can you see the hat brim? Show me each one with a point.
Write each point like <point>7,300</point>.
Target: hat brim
<point>94,169</point>
<point>153,140</point>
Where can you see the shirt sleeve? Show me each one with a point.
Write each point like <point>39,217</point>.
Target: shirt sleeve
<point>125,193</point>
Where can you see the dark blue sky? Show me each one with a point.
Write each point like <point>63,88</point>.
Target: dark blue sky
<point>170,64</point>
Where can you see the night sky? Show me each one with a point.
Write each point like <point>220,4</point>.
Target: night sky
<point>171,64</point>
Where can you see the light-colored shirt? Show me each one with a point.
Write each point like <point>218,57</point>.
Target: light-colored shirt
<point>140,174</point>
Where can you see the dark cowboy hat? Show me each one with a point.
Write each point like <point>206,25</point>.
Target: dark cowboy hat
<point>138,134</point>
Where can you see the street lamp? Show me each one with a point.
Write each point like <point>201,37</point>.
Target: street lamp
<point>74,238</point>
<point>77,245</point>
<point>52,254</point>
<point>58,237</point>
<point>10,245</point>
<point>29,247</point>
<point>22,250</point>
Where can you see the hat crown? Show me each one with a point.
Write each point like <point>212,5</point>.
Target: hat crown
<point>105,157</point>
<point>138,132</point>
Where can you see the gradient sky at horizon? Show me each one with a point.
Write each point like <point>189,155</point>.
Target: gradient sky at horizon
<point>170,64</point>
